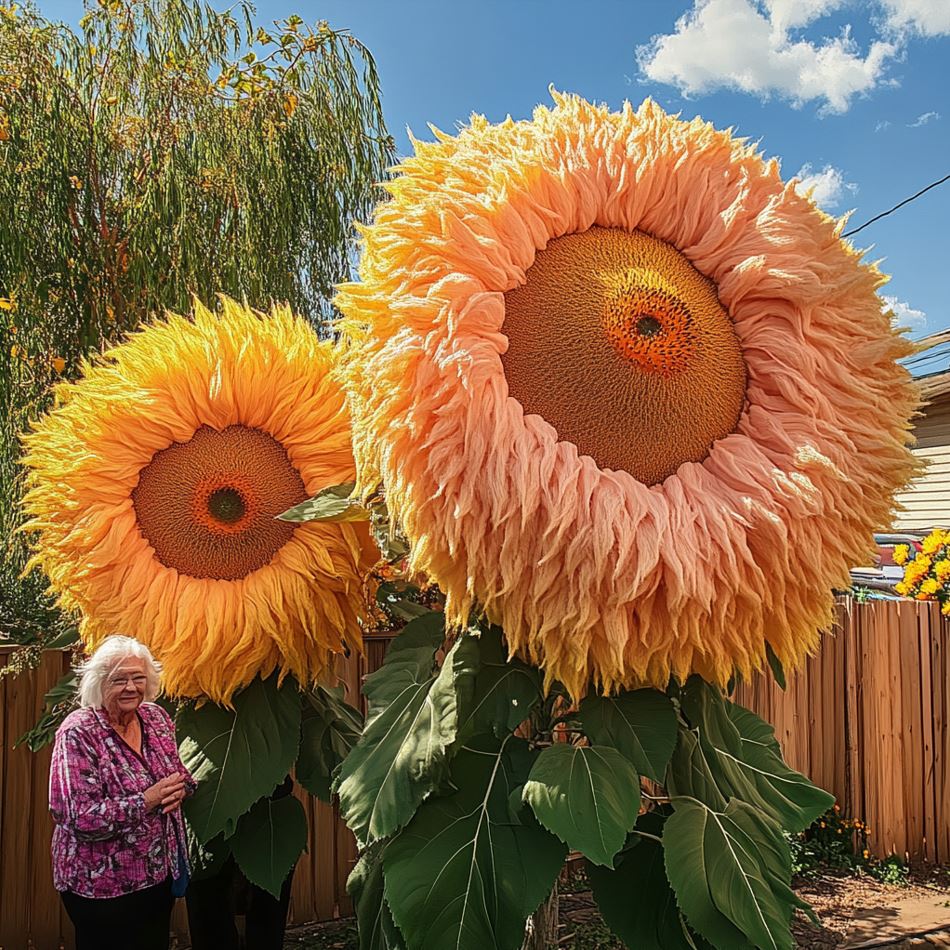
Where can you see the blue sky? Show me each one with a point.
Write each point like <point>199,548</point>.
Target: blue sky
<point>854,94</point>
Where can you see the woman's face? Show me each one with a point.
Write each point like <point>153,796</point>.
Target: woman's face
<point>125,685</point>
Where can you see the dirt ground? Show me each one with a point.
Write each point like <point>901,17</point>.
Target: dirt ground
<point>855,911</point>
<point>859,911</point>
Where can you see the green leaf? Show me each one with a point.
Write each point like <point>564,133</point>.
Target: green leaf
<point>589,796</point>
<point>641,725</point>
<point>238,755</point>
<point>329,730</point>
<point>689,772</point>
<point>66,639</point>
<point>333,504</point>
<point>397,601</point>
<point>505,691</point>
<point>377,929</point>
<point>775,664</point>
<point>636,900</point>
<point>58,703</point>
<point>208,858</point>
<point>412,723</point>
<point>731,871</point>
<point>268,841</point>
<point>464,873</point>
<point>744,760</point>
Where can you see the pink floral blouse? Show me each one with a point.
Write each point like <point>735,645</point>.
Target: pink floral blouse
<point>105,844</point>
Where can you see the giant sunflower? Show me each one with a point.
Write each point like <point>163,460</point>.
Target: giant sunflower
<point>629,394</point>
<point>154,484</point>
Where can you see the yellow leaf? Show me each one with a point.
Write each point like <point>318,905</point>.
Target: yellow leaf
<point>59,364</point>
<point>290,104</point>
<point>7,303</point>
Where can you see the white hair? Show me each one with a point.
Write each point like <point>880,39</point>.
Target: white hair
<point>104,659</point>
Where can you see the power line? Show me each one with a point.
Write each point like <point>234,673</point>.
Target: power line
<point>884,214</point>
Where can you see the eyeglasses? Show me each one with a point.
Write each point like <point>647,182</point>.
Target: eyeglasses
<point>140,679</point>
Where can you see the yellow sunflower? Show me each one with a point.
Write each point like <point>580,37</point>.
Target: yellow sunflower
<point>629,393</point>
<point>153,488</point>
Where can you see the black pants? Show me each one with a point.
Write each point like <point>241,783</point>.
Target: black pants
<point>139,920</point>
<point>213,902</point>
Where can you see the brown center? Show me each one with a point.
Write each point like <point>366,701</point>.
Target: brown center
<point>618,342</point>
<point>208,506</point>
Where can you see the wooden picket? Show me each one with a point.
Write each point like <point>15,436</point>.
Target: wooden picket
<point>868,718</point>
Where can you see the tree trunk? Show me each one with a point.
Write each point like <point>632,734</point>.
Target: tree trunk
<point>540,932</point>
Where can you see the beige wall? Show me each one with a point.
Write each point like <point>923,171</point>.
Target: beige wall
<point>927,502</point>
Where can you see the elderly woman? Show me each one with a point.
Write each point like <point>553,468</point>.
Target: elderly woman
<point>116,784</point>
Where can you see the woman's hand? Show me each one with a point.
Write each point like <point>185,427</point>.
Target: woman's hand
<point>166,793</point>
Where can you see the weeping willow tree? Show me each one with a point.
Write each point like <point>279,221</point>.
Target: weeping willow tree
<point>160,151</point>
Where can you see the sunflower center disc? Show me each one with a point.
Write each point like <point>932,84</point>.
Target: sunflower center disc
<point>618,342</point>
<point>208,506</point>
<point>226,505</point>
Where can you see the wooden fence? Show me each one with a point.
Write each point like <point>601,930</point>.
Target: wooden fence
<point>868,718</point>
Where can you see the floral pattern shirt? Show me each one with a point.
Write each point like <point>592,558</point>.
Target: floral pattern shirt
<point>105,843</point>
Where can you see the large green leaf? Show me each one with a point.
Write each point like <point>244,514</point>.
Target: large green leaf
<point>268,841</point>
<point>689,772</point>
<point>739,752</point>
<point>208,858</point>
<point>636,899</point>
<point>237,756</point>
<point>332,504</point>
<point>412,723</point>
<point>377,928</point>
<point>328,732</point>
<point>589,796</point>
<point>731,871</point>
<point>465,872</point>
<point>640,724</point>
<point>505,691</point>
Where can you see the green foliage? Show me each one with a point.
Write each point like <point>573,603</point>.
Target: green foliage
<point>836,843</point>
<point>237,756</point>
<point>473,813</point>
<point>731,753</point>
<point>160,151</point>
<point>588,796</point>
<point>639,724</point>
<point>411,724</point>
<point>506,691</point>
<point>337,503</point>
<point>334,504</point>
<point>58,703</point>
<point>268,840</point>
<point>653,918</point>
<point>467,872</point>
<point>731,870</point>
<point>377,930</point>
<point>329,730</point>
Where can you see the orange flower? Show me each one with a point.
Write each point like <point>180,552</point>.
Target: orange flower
<point>621,384</point>
<point>154,487</point>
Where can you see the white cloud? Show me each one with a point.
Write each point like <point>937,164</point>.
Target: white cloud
<point>829,185</point>
<point>923,119</point>
<point>789,14</point>
<point>733,44</point>
<point>904,314</point>
<point>882,125</point>
<point>926,17</point>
